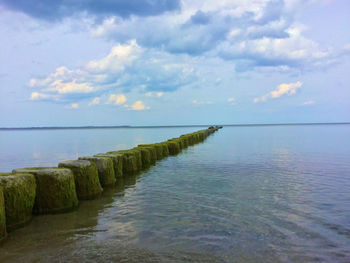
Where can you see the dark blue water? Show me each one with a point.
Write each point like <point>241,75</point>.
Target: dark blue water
<point>247,194</point>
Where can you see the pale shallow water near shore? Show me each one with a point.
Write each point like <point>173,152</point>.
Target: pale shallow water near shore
<point>247,194</point>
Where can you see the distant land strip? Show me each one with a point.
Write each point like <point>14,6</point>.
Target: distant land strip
<point>171,126</point>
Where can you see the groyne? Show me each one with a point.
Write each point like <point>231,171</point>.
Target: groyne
<point>47,190</point>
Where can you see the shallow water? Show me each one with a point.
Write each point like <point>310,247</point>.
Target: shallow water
<point>247,194</point>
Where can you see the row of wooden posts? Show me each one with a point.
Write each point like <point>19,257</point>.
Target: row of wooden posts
<point>49,190</point>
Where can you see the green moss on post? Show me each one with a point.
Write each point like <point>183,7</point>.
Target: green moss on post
<point>132,152</point>
<point>2,216</point>
<point>85,173</point>
<point>152,150</point>
<point>196,138</point>
<point>105,169</point>
<point>174,147</point>
<point>117,163</point>
<point>130,165</point>
<point>19,194</point>
<point>55,189</point>
<point>182,143</point>
<point>179,141</point>
<point>159,151</point>
<point>137,154</point>
<point>165,149</point>
<point>190,139</point>
<point>130,161</point>
<point>184,140</point>
<point>146,157</point>
<point>202,135</point>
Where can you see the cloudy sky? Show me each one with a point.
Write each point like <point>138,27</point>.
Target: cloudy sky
<point>171,62</point>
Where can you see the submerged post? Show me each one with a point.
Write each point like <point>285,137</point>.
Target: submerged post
<point>55,189</point>
<point>87,183</point>
<point>2,216</point>
<point>19,197</point>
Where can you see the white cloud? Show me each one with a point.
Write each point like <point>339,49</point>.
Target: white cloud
<point>41,96</point>
<point>37,95</point>
<point>119,57</point>
<point>116,99</point>
<point>63,81</point>
<point>289,89</point>
<point>69,87</point>
<point>282,89</point>
<point>61,73</point>
<point>227,7</point>
<point>73,106</point>
<point>154,94</point>
<point>232,101</point>
<point>196,102</point>
<point>262,33</point>
<point>309,102</point>
<point>139,106</point>
<point>293,51</point>
<point>108,25</point>
<point>125,67</point>
<point>95,101</point>
<point>346,47</point>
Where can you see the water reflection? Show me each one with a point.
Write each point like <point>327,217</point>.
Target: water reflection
<point>245,195</point>
<point>55,232</point>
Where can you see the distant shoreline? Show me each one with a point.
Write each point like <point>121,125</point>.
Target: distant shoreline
<point>170,126</point>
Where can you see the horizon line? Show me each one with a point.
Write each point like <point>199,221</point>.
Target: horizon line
<point>167,126</point>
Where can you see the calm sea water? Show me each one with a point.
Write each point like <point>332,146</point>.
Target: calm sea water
<point>247,194</point>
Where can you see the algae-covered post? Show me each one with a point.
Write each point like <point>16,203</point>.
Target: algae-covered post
<point>152,152</point>
<point>2,216</point>
<point>145,157</point>
<point>132,161</point>
<point>184,139</point>
<point>174,147</point>
<point>87,183</point>
<point>159,151</point>
<point>19,195</point>
<point>55,189</point>
<point>165,149</point>
<point>117,163</point>
<point>105,169</point>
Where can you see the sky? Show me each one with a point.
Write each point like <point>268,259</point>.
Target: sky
<point>173,62</point>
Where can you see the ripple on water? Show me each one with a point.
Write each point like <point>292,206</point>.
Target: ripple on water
<point>248,194</point>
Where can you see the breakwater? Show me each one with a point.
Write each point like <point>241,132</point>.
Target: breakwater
<point>46,190</point>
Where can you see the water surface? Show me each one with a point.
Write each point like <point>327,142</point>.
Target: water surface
<point>247,194</point>
<point>48,147</point>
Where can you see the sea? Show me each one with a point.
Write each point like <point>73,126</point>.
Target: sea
<point>266,193</point>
